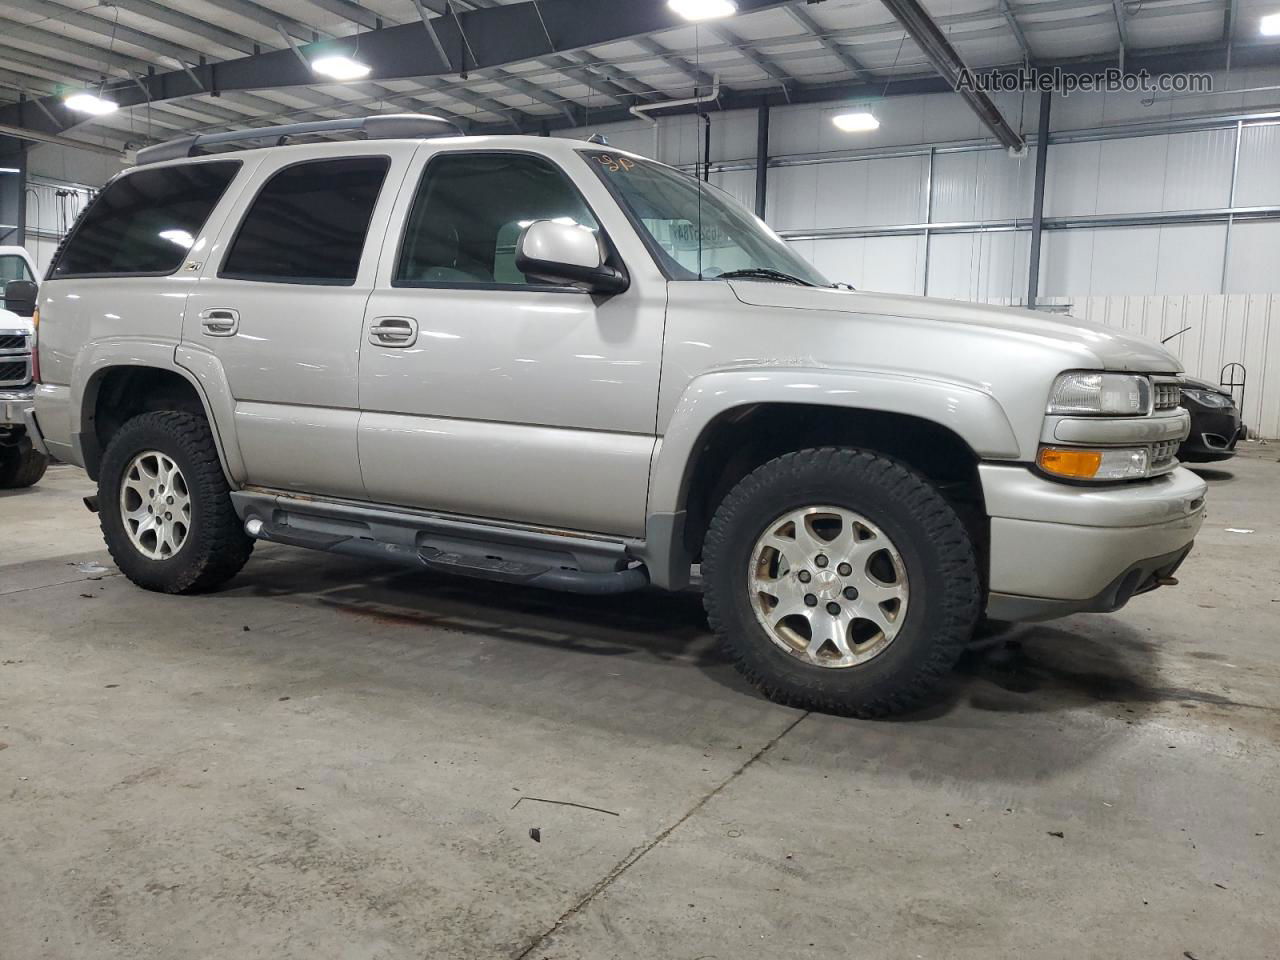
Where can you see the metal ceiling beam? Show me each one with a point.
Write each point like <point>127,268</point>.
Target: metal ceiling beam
<point>110,31</point>
<point>847,60</point>
<point>1122,28</point>
<point>935,46</point>
<point>161,13</point>
<point>1011,18</point>
<point>490,37</point>
<point>751,55</point>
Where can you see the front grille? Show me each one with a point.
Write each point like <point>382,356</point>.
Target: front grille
<point>1163,454</point>
<point>15,373</point>
<point>13,341</point>
<point>1167,396</point>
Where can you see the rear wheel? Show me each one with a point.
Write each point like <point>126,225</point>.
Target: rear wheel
<point>165,506</point>
<point>839,580</point>
<point>21,465</point>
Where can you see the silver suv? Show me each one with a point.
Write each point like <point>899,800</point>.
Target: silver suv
<point>547,362</point>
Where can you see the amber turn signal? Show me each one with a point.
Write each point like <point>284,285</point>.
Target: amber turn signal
<point>1073,464</point>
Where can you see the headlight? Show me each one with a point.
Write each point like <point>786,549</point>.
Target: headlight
<point>1208,398</point>
<point>1101,394</point>
<point>1108,464</point>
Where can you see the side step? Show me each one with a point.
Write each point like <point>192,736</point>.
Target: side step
<point>521,555</point>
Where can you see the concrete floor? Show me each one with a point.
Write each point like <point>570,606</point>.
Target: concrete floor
<point>327,760</point>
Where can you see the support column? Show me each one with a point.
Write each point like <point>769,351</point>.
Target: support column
<point>1037,210</point>
<point>762,158</point>
<point>13,191</point>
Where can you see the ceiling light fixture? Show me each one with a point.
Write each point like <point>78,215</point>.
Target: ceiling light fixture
<point>86,101</point>
<point>855,122</point>
<point>703,9</point>
<point>1270,25</point>
<point>340,68</point>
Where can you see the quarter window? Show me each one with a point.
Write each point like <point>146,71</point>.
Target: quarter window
<point>309,223</point>
<point>468,215</point>
<point>144,222</point>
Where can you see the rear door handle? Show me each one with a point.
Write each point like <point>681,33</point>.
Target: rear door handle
<point>219,322</point>
<point>393,332</point>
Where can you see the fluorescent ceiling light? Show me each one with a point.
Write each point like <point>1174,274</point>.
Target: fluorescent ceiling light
<point>340,68</point>
<point>1270,25</point>
<point>855,122</point>
<point>87,102</point>
<point>703,9</point>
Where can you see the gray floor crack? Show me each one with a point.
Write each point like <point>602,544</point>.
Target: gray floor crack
<point>634,857</point>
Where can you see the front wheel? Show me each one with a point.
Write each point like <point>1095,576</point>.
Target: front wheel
<point>165,507</point>
<point>841,581</point>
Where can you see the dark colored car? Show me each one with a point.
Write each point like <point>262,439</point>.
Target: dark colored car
<point>1215,422</point>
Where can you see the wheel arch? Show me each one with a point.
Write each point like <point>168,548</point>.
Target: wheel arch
<point>730,422</point>
<point>115,392</point>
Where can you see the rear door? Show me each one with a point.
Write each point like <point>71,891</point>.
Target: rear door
<point>488,394</point>
<point>281,303</point>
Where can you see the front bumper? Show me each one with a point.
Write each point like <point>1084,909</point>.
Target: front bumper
<point>13,403</point>
<point>1213,436</point>
<point>1058,549</point>
<point>17,409</point>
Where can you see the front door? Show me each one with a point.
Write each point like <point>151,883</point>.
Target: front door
<point>281,303</point>
<point>490,395</point>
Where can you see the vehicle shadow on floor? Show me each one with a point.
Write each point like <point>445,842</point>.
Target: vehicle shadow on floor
<point>1211,474</point>
<point>1078,663</point>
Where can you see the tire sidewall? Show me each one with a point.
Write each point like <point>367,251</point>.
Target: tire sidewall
<point>926,618</point>
<point>137,436</point>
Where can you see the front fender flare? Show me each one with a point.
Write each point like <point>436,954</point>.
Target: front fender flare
<point>965,409</point>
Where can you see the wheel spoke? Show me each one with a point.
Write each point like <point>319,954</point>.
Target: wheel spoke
<point>835,559</point>
<point>155,505</point>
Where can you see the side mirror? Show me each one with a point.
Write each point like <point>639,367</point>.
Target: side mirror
<point>566,253</point>
<point>20,297</point>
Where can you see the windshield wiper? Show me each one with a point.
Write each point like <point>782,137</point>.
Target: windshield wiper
<point>762,273</point>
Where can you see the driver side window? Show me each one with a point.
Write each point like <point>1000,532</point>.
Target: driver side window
<point>469,212</point>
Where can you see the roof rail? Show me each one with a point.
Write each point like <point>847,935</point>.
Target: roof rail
<point>382,126</point>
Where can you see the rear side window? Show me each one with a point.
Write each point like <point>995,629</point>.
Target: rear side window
<point>144,223</point>
<point>309,223</point>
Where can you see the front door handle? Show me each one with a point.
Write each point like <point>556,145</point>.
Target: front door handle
<point>393,332</point>
<point>219,322</point>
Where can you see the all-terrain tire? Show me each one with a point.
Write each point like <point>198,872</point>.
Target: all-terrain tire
<point>216,546</point>
<point>936,551</point>
<point>21,465</point>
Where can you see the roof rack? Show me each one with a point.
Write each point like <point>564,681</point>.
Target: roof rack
<point>383,126</point>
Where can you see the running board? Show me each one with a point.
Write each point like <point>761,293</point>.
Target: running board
<point>531,556</point>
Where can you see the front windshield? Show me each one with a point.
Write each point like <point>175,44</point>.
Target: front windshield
<point>698,231</point>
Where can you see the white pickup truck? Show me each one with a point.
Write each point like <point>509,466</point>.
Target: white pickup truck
<point>21,463</point>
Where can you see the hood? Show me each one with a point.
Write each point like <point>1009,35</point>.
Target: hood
<point>11,321</point>
<point>1114,349</point>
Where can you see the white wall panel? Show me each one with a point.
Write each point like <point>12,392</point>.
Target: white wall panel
<point>979,266</point>
<point>1126,260</point>
<point>1258,180</point>
<point>982,185</point>
<point>884,264</point>
<point>1254,261</point>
